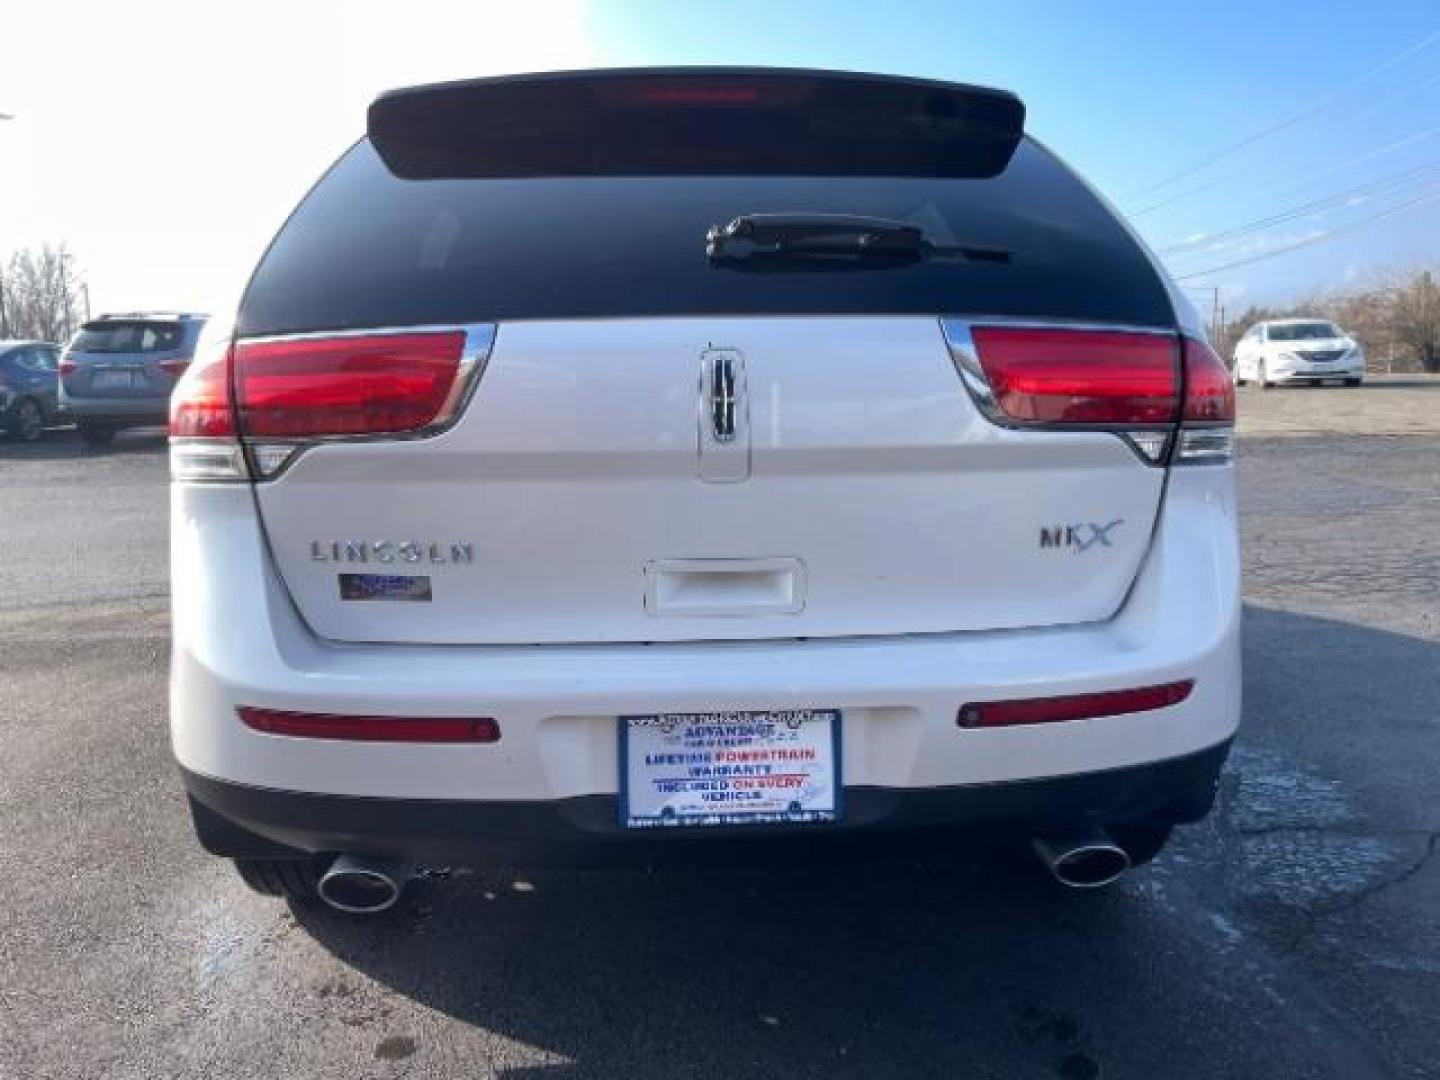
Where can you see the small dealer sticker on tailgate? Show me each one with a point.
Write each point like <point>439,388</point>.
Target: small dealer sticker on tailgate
<point>384,587</point>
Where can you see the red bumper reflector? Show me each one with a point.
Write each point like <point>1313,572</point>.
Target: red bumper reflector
<point>1049,710</point>
<point>411,729</point>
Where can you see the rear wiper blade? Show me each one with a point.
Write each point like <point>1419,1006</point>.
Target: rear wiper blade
<point>786,230</point>
<point>831,234</point>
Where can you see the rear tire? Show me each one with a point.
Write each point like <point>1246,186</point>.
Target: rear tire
<point>1352,382</point>
<point>293,879</point>
<point>1143,841</point>
<point>97,435</point>
<point>27,421</point>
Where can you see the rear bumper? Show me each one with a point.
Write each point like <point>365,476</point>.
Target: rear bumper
<point>244,821</point>
<point>136,412</point>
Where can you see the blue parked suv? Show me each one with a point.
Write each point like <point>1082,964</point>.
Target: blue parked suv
<point>28,401</point>
<point>118,371</point>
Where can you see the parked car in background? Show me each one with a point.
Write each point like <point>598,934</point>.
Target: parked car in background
<point>118,370</point>
<point>29,391</point>
<point>1298,351</point>
<point>573,485</point>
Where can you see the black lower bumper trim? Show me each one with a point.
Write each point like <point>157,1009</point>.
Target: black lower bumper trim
<point>241,820</point>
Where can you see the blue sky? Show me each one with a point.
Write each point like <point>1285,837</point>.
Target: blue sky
<point>1132,93</point>
<point>255,99</point>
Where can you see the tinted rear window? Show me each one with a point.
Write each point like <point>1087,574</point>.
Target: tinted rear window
<point>129,337</point>
<point>368,249</point>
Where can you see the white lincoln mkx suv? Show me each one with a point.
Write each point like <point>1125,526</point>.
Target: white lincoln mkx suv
<point>607,465</point>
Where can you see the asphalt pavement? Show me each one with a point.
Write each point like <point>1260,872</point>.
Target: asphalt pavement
<point>1296,933</point>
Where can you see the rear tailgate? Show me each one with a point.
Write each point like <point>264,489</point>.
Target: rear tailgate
<point>582,497</point>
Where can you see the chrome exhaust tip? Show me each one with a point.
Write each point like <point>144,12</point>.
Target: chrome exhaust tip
<point>361,886</point>
<point>1082,860</point>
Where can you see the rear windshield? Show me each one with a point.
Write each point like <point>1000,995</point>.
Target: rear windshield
<point>368,249</point>
<point>129,337</point>
<point>1304,331</point>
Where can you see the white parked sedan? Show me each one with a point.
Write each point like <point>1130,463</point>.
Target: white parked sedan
<point>605,464</point>
<point>1298,351</point>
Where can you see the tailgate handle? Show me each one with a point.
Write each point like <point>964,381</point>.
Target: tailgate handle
<point>724,587</point>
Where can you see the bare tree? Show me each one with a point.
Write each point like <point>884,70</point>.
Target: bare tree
<point>1415,316</point>
<point>41,294</point>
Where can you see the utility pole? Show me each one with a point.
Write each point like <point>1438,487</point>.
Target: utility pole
<point>64,297</point>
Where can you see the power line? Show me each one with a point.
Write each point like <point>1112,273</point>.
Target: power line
<point>1208,240</point>
<point>1294,118</point>
<point>1318,238</point>
<point>1368,155</point>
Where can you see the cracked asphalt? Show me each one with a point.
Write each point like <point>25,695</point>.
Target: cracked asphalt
<point>1295,933</point>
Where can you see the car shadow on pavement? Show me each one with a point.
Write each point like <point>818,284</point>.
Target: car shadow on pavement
<point>64,444</point>
<point>895,966</point>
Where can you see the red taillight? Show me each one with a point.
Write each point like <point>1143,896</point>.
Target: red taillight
<point>1061,376</point>
<point>1209,393</point>
<point>1050,710</point>
<point>418,729</point>
<point>174,367</point>
<point>200,404</point>
<point>67,366</point>
<point>362,385</point>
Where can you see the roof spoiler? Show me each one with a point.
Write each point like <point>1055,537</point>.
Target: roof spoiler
<point>696,122</point>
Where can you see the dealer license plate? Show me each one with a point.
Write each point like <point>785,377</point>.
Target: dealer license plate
<point>780,766</point>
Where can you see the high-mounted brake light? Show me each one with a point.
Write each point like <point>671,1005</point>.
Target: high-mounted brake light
<point>1049,710</point>
<point>695,122</point>
<point>413,729</point>
<point>698,94</point>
